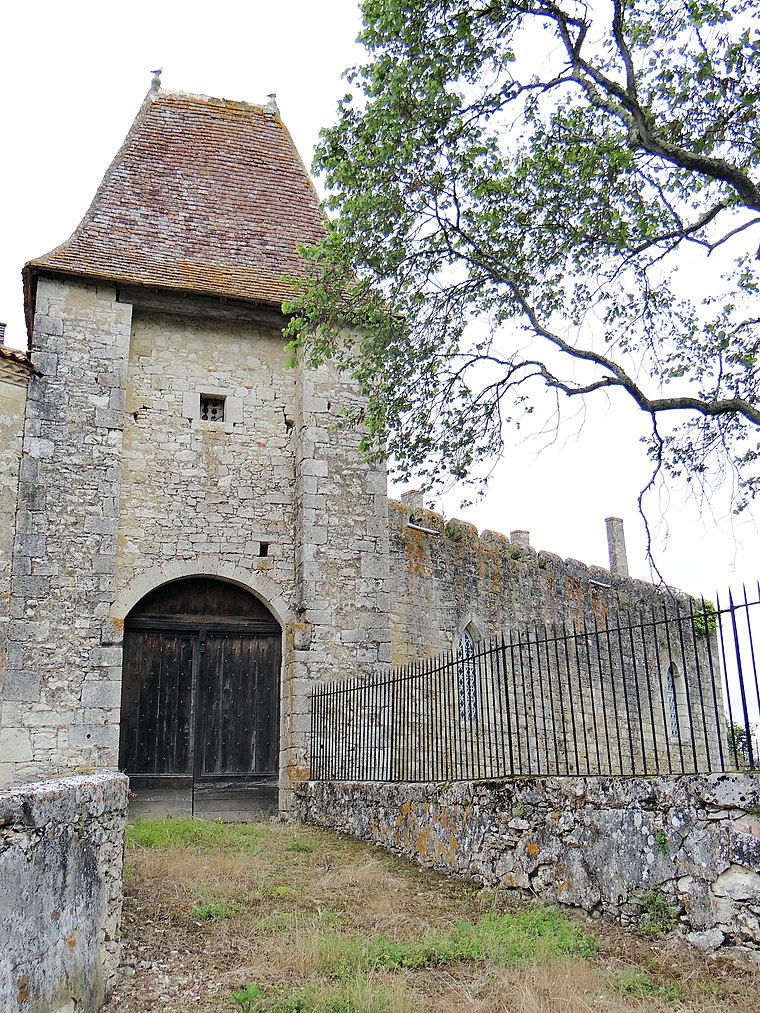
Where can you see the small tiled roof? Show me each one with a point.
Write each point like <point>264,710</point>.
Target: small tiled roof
<point>16,356</point>
<point>205,196</point>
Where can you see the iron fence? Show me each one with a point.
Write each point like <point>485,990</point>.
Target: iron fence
<point>673,689</point>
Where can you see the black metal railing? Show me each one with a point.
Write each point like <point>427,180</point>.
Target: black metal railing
<point>673,689</point>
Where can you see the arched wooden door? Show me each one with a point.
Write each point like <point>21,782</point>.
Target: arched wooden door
<point>200,702</point>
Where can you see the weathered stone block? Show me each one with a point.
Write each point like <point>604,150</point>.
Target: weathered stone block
<point>15,745</point>
<point>61,846</point>
<point>30,545</point>
<point>106,656</point>
<point>739,884</point>
<point>20,685</point>
<point>101,693</point>
<point>94,735</point>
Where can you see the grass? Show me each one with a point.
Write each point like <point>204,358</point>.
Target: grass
<point>633,981</point>
<point>186,834</point>
<point>661,842</point>
<point>213,909</point>
<point>298,844</point>
<point>270,918</point>
<point>502,939</point>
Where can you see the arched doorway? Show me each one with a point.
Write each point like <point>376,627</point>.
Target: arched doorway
<point>200,701</point>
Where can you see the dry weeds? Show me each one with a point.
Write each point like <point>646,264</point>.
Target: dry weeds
<point>201,921</point>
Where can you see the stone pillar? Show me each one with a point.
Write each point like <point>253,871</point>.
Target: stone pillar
<point>616,546</point>
<point>521,538</point>
<point>413,499</point>
<point>61,874</point>
<point>61,692</point>
<point>341,556</point>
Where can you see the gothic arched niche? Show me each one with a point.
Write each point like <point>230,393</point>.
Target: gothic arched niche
<point>200,701</point>
<point>467,683</point>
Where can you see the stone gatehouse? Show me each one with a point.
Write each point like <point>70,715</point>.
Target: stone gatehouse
<point>187,542</point>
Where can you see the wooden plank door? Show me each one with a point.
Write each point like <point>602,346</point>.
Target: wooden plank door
<point>201,701</point>
<point>200,722</point>
<point>156,744</point>
<point>237,729</point>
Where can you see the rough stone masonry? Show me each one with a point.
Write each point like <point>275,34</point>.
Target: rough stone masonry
<point>605,845</point>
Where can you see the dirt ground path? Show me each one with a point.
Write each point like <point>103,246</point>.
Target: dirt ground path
<point>307,921</point>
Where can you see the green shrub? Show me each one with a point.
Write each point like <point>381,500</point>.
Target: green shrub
<point>500,938</point>
<point>453,533</point>
<point>248,999</point>
<point>738,743</point>
<point>659,917</point>
<point>298,844</point>
<point>705,617</point>
<point>634,982</point>
<point>213,909</point>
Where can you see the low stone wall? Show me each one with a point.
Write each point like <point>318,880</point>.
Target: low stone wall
<point>601,844</point>
<point>61,854</point>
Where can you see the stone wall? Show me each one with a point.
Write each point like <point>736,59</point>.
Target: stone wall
<point>14,378</point>
<point>124,487</point>
<point>202,490</point>
<point>444,577</point>
<point>60,708</point>
<point>647,700</point>
<point>600,844</point>
<point>200,497</point>
<point>61,851</point>
<point>274,497</point>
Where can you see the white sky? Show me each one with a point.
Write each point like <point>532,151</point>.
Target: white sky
<point>73,76</point>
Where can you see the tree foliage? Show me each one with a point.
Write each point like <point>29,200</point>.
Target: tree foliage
<point>545,196</point>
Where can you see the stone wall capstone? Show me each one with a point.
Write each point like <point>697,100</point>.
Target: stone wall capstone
<point>606,845</point>
<point>61,854</point>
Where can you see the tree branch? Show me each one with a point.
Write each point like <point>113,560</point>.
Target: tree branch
<point>620,378</point>
<point>630,111</point>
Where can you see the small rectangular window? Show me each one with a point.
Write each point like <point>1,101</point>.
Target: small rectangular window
<point>212,408</point>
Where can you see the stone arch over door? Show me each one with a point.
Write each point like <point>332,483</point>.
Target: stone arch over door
<point>200,718</point>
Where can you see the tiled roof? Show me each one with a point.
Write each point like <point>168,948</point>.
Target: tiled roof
<point>13,355</point>
<point>205,196</point>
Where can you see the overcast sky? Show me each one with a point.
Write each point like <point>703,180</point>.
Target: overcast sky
<point>73,77</point>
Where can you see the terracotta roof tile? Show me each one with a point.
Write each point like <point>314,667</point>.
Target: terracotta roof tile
<point>205,196</point>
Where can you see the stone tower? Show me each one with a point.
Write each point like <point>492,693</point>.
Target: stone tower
<point>179,480</point>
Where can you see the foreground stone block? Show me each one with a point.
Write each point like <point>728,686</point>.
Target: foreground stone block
<point>61,853</point>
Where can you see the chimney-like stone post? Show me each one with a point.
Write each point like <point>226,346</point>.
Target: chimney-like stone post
<point>616,546</point>
<point>413,499</point>
<point>521,538</point>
